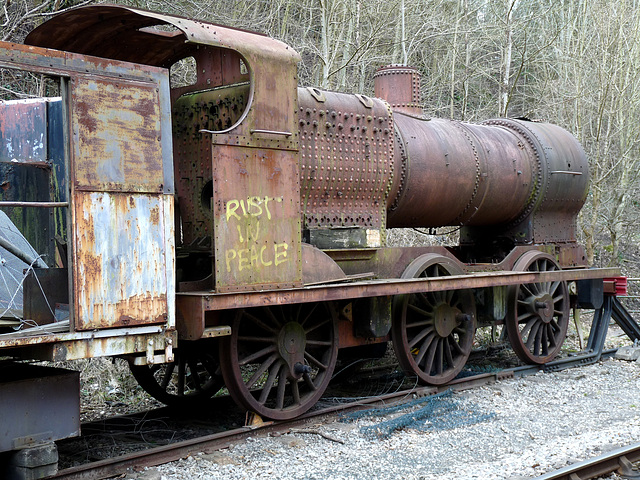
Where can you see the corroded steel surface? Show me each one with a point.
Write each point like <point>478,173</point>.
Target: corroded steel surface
<point>563,178</point>
<point>212,110</point>
<point>30,394</point>
<point>117,127</point>
<point>208,301</point>
<point>256,205</point>
<point>461,174</point>
<point>346,160</point>
<point>121,272</point>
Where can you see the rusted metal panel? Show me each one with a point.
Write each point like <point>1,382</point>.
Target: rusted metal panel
<point>44,288</point>
<point>346,160</point>
<point>121,259</point>
<point>214,110</point>
<point>256,213</point>
<point>23,131</point>
<point>117,133</point>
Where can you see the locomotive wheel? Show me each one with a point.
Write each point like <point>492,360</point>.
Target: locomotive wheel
<point>537,313</point>
<point>278,360</point>
<point>433,332</point>
<point>194,376</point>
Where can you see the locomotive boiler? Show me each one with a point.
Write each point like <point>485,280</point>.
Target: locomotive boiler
<point>231,230</point>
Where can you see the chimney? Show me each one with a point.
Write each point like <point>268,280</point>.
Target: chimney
<point>400,87</point>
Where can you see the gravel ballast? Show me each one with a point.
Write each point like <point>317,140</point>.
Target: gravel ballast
<point>535,424</point>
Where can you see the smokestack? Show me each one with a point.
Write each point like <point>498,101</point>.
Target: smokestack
<point>399,85</point>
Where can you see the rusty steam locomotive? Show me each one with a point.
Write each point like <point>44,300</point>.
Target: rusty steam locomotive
<point>231,231</point>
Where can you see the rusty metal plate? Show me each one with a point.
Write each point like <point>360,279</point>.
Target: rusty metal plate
<point>346,159</point>
<point>123,259</point>
<point>117,136</point>
<point>256,213</point>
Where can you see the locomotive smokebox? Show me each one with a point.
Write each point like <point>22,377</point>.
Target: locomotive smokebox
<point>514,179</point>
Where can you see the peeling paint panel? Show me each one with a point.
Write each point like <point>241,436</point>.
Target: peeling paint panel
<point>23,131</point>
<point>122,257</point>
<point>117,135</point>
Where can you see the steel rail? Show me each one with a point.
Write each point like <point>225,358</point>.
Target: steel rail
<point>168,453</point>
<point>617,460</point>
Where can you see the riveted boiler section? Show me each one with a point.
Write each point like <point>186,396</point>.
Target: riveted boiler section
<point>346,165</point>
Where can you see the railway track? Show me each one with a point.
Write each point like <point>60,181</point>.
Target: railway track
<point>210,442</point>
<point>620,461</point>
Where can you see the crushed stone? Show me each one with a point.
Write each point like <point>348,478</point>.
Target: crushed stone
<point>533,425</point>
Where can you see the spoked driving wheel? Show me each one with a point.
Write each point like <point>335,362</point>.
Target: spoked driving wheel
<point>433,332</point>
<point>537,313</point>
<point>279,359</point>
<point>194,375</point>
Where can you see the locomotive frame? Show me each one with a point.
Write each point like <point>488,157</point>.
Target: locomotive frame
<point>246,215</point>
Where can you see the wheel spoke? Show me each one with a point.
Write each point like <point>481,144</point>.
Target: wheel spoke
<point>446,346</point>
<point>525,316</point>
<point>423,297</point>
<point>439,356</point>
<point>259,322</point>
<point>528,327</point>
<point>168,373</point>
<point>419,310</point>
<point>532,335</point>
<point>318,325</point>
<point>263,368</point>
<point>424,347</point>
<point>309,381</point>
<point>455,346</point>
<point>259,354</point>
<point>313,309</point>
<point>419,324</point>
<point>282,384</point>
<point>551,336</point>
<point>423,333</point>
<point>295,391</point>
<point>266,389</point>
<point>543,340</point>
<point>527,288</point>
<point>431,351</point>
<point>313,360</point>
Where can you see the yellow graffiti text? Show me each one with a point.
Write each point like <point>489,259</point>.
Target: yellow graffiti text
<point>250,207</point>
<point>256,256</point>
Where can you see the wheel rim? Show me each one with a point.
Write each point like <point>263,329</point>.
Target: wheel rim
<point>433,332</point>
<point>194,375</point>
<point>537,313</point>
<point>278,360</point>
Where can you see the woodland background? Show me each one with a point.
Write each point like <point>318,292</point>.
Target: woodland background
<point>570,62</point>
